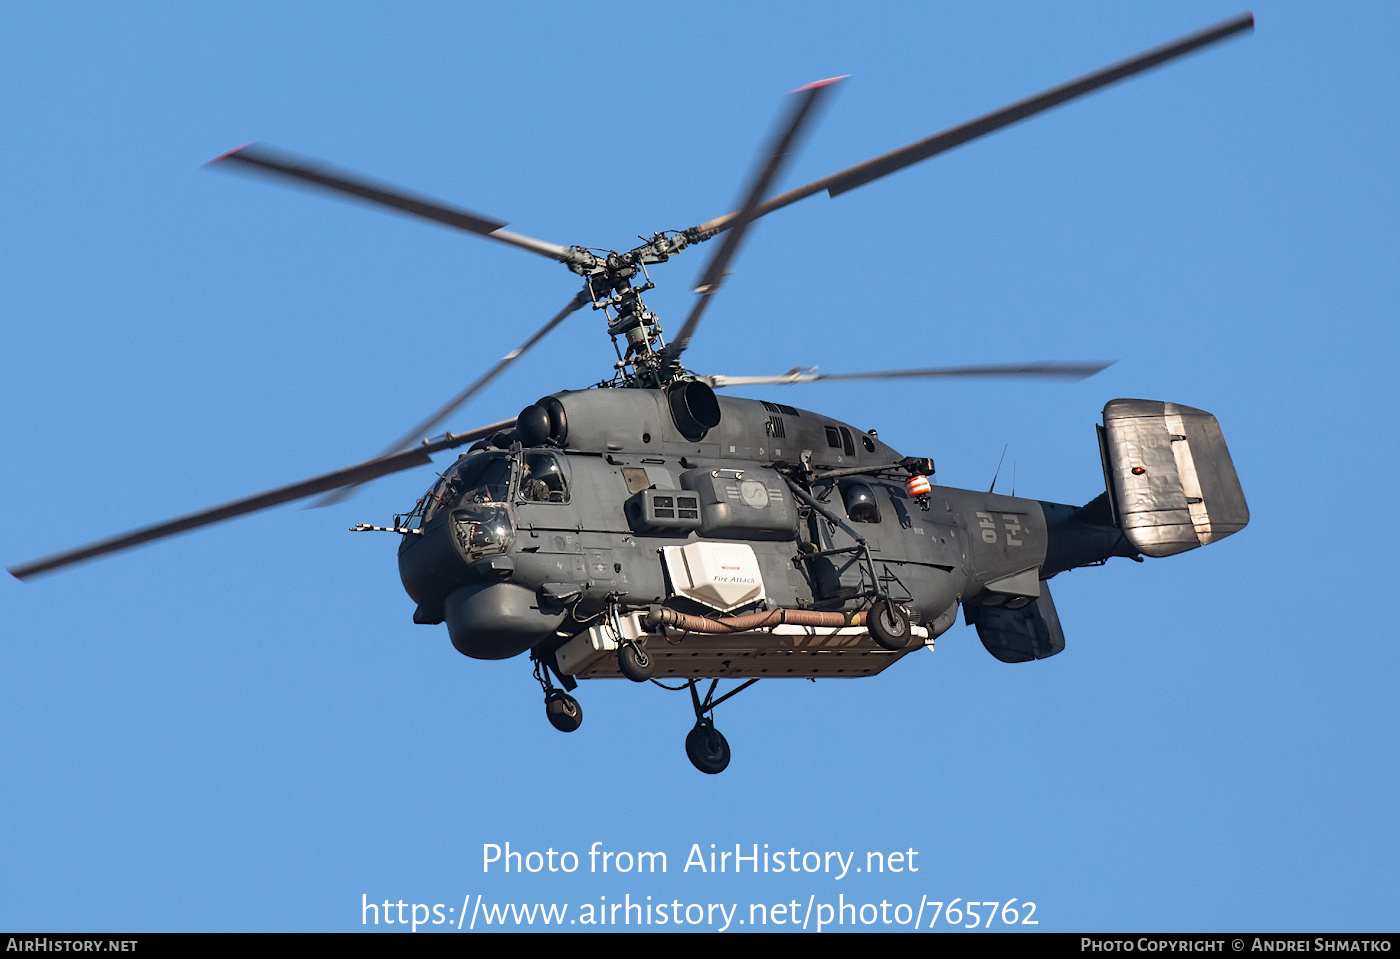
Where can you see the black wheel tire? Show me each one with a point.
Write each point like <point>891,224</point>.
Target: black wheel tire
<point>636,664</point>
<point>889,625</point>
<point>707,748</point>
<point>563,711</point>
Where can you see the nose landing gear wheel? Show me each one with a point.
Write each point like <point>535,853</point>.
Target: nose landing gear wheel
<point>888,623</point>
<point>707,748</point>
<point>563,711</point>
<point>634,662</point>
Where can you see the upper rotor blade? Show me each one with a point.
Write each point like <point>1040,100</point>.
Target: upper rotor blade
<point>265,160</point>
<point>360,473</point>
<point>863,173</point>
<point>426,427</point>
<point>780,148</point>
<point>1068,371</point>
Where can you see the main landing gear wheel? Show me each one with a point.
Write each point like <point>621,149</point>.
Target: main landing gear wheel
<point>563,710</point>
<point>888,623</point>
<point>634,662</point>
<point>707,748</point>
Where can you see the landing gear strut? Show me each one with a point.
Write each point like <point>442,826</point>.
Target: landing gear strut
<point>562,710</point>
<point>704,744</point>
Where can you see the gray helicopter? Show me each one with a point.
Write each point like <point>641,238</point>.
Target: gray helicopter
<point>652,529</point>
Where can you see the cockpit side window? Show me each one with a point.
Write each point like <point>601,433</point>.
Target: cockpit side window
<point>544,480</point>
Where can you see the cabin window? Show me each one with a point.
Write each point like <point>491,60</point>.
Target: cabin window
<point>544,480</point>
<point>847,442</point>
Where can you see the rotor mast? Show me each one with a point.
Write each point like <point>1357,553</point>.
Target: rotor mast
<point>636,334</point>
<point>648,360</point>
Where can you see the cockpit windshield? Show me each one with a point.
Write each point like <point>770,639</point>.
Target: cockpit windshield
<point>479,477</point>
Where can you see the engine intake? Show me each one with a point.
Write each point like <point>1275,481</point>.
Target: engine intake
<point>694,408</point>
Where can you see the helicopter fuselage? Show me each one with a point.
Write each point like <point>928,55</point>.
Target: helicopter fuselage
<point>601,501</point>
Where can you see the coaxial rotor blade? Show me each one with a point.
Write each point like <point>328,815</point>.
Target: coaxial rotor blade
<point>780,148</point>
<point>265,160</point>
<point>863,173</point>
<point>426,427</point>
<point>360,473</point>
<point>1065,371</point>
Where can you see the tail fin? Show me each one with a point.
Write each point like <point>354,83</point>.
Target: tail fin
<point>1019,635</point>
<point>1171,483</point>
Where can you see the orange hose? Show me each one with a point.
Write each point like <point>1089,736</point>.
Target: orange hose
<point>665,616</point>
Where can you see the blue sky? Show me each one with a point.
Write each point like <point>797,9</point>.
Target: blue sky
<point>242,729</point>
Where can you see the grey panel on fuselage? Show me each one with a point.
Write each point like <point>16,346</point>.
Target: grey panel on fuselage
<point>1005,534</point>
<point>586,538</point>
<point>639,422</point>
<point>742,502</point>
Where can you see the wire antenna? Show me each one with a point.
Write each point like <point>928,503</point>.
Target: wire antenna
<point>992,488</point>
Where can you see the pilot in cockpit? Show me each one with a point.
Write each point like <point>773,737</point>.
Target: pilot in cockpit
<point>543,482</point>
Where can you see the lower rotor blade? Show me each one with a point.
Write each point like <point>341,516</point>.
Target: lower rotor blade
<point>360,473</point>
<point>426,427</point>
<point>1065,371</point>
<point>778,152</point>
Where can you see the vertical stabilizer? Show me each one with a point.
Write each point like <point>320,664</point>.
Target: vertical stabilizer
<point>1022,634</point>
<point>1171,482</point>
